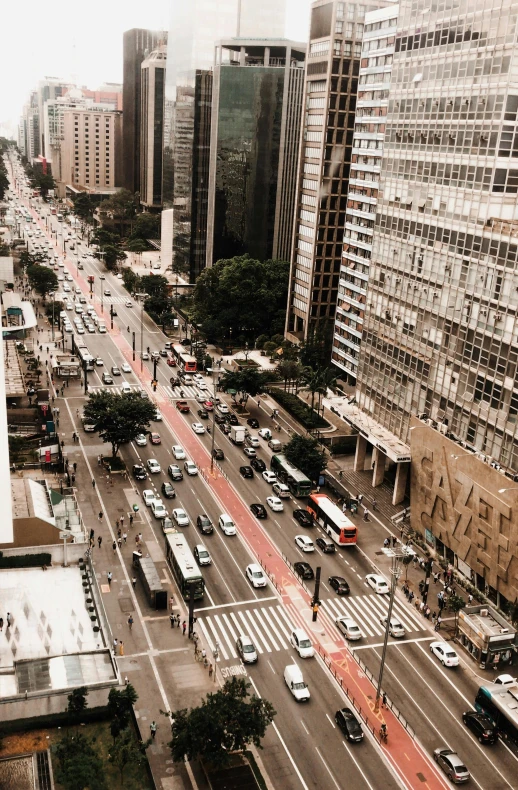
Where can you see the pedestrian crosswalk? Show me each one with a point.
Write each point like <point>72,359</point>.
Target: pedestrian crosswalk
<point>269,627</point>
<point>367,610</point>
<point>112,388</point>
<point>188,392</point>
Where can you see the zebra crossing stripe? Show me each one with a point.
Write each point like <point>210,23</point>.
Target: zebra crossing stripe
<point>248,615</point>
<point>207,636</point>
<point>230,626</point>
<point>288,626</point>
<point>223,634</point>
<point>259,615</point>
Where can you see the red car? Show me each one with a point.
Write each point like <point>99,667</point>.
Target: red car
<point>155,438</point>
<point>183,406</point>
<point>171,361</point>
<point>208,405</point>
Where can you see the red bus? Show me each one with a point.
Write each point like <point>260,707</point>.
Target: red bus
<point>184,360</point>
<point>332,519</point>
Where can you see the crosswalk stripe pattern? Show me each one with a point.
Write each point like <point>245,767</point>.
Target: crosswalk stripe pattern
<point>111,388</point>
<point>188,392</point>
<point>367,610</point>
<point>268,627</point>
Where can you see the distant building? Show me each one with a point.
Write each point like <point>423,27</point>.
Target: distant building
<point>91,152</point>
<point>49,88</point>
<point>137,45</point>
<point>255,138</point>
<point>333,65</point>
<point>152,127</point>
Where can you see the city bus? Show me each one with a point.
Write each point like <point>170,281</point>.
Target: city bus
<point>332,519</point>
<point>500,704</point>
<point>85,357</point>
<point>297,482</point>
<point>183,565</point>
<point>184,360</point>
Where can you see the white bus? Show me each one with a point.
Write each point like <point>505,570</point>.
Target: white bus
<point>183,565</point>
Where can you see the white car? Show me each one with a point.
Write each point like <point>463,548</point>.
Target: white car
<point>128,303</point>
<point>378,583</point>
<point>349,628</point>
<point>148,496</point>
<point>198,427</point>
<point>254,574</point>
<point>302,643</point>
<point>178,452</point>
<point>201,555</point>
<point>226,524</point>
<point>252,440</point>
<point>197,377</point>
<point>282,490</point>
<point>99,362</point>
<point>153,466</point>
<point>201,385</point>
<point>80,330</point>
<point>181,517</point>
<point>191,468</point>
<point>446,654</point>
<point>275,504</point>
<point>304,543</point>
<point>505,680</point>
<point>158,509</point>
<point>91,328</point>
<point>126,367</point>
<point>141,440</point>
<point>395,628</point>
<point>158,416</point>
<point>186,379</point>
<point>269,476</point>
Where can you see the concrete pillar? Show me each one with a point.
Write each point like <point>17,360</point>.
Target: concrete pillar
<point>378,464</point>
<point>359,458</point>
<point>267,56</point>
<point>400,484</point>
<point>242,56</point>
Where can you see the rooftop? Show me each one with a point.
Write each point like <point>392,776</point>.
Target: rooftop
<point>486,621</point>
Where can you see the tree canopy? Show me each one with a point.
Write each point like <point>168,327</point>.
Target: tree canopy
<point>84,206</point>
<point>226,721</point>
<point>247,382</point>
<point>80,765</point>
<point>154,284</point>
<point>30,258</point>
<point>119,210</point>
<point>119,418</point>
<point>146,226</point>
<point>241,296</point>
<point>111,255</point>
<point>304,453</point>
<point>42,279</point>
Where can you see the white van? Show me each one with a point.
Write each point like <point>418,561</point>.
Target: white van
<point>125,388</point>
<point>295,682</point>
<point>275,445</point>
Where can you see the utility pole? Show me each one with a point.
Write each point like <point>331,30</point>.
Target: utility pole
<point>315,603</point>
<point>395,571</point>
<point>133,333</point>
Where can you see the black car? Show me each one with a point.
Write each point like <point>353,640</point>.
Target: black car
<point>218,454</point>
<point>327,546</point>
<point>252,422</point>
<point>246,471</point>
<point>203,414</point>
<point>185,342</point>
<point>303,517</point>
<point>349,724</point>
<point>258,465</point>
<point>204,524</point>
<point>139,473</point>
<point>339,585</point>
<point>258,510</point>
<point>168,490</point>
<point>304,570</point>
<point>175,473</point>
<point>481,726</point>
<point>219,419</point>
<point>232,419</point>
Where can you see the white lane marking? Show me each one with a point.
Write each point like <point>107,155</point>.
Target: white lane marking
<point>327,768</point>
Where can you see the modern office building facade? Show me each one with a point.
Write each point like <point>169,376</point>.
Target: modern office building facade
<point>333,64</point>
<point>137,45</point>
<point>195,28</point>
<point>49,88</point>
<point>439,353</point>
<point>379,37</point>
<point>91,151</point>
<point>255,137</point>
<point>152,127</point>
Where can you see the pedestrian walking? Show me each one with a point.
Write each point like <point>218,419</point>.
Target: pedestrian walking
<point>171,602</point>
<point>75,466</point>
<point>1,624</point>
<point>119,542</point>
<point>211,670</point>
<point>119,532</point>
<point>438,623</point>
<point>109,577</point>
<point>73,479</point>
<point>360,498</point>
<point>153,729</point>
<point>386,543</point>
<point>172,619</point>
<point>134,582</point>
<point>93,483</point>
<point>140,537</point>
<point>366,515</point>
<point>137,540</point>
<point>470,599</point>
<point>178,621</point>
<point>384,700</point>
<point>99,541</point>
<point>121,520</point>
<point>114,546</point>
<point>184,627</point>
<point>124,537</point>
<point>410,596</point>
<point>434,617</point>
<point>115,643</point>
<point>121,648</point>
<point>98,460</point>
<point>131,520</point>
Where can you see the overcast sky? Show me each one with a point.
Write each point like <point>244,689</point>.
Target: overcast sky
<point>82,42</point>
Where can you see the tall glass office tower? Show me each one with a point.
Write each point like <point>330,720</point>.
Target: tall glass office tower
<point>195,27</point>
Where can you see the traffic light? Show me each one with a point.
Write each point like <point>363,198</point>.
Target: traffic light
<point>154,384</point>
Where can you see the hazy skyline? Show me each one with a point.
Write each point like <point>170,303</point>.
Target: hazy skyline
<point>46,41</point>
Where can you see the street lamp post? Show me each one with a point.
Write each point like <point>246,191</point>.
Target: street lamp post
<point>53,294</point>
<point>395,571</point>
<point>213,371</point>
<point>141,296</point>
<point>102,278</point>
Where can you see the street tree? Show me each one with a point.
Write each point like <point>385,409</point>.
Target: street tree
<point>247,382</point>
<point>77,702</point>
<point>126,750</point>
<point>130,279</point>
<point>41,279</point>
<point>318,381</point>
<point>102,237</point>
<point>119,418</point>
<point>84,206</point>
<point>45,182</point>
<point>119,708</point>
<point>136,245</point>
<point>158,306</point>
<point>146,226</point>
<point>30,258</point>
<point>119,210</point>
<point>290,371</point>
<point>226,721</point>
<point>455,604</point>
<point>111,255</point>
<point>318,344</point>
<point>154,284</point>
<point>304,453</point>
<point>79,764</point>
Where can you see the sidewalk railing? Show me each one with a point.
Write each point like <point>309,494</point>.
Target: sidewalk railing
<point>106,630</point>
<point>269,574</point>
<point>299,579</point>
<point>389,704</point>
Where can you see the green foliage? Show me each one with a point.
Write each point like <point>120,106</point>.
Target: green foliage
<point>290,371</point>
<point>119,418</point>
<point>56,308</point>
<point>316,350</point>
<point>42,279</point>
<point>154,284</point>
<point>260,341</point>
<point>127,751</point>
<point>102,237</point>
<point>303,452</point>
<point>31,258</point>
<point>298,409</point>
<point>226,721</point>
<point>111,255</point>
<point>18,447</point>
<point>119,708</point>
<point>5,250</point>
<point>318,381</point>
<point>130,279</point>
<point>455,604</point>
<point>118,211</point>
<point>514,613</point>
<point>158,307</point>
<point>241,295</point>
<point>25,560</point>
<point>137,245</point>
<point>77,702</point>
<point>44,182</point>
<point>84,206</point>
<point>246,382</point>
<point>80,765</point>
<point>146,226</point>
